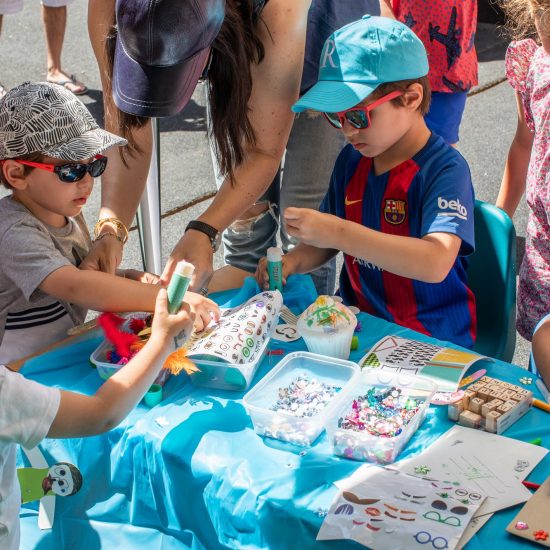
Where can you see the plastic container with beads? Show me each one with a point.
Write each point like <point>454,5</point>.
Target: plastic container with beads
<point>332,377</point>
<point>377,420</point>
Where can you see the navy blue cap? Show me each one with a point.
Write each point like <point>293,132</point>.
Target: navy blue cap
<point>161,50</point>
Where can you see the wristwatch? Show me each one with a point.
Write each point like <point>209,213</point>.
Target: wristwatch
<point>211,232</point>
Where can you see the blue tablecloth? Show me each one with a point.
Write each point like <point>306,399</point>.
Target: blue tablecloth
<point>191,472</point>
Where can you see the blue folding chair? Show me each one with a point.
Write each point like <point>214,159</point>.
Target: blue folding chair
<point>492,278</point>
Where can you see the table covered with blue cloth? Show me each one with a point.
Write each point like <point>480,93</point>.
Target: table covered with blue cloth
<point>192,473</point>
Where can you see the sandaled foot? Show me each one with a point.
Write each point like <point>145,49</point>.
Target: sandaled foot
<point>70,83</point>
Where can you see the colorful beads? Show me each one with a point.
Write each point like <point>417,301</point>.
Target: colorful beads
<point>305,397</point>
<point>382,413</point>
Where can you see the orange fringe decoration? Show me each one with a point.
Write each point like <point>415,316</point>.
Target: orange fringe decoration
<point>178,361</point>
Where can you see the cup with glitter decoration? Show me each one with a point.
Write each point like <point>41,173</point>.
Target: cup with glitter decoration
<point>327,327</point>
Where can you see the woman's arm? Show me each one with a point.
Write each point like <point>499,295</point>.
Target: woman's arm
<point>517,163</point>
<point>81,415</point>
<point>275,89</point>
<point>121,186</point>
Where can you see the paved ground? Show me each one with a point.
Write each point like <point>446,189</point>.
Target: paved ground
<point>187,179</point>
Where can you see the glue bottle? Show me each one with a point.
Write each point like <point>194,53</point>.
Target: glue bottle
<point>275,268</point>
<point>178,285</point>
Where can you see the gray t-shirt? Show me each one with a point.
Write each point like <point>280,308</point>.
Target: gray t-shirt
<point>30,250</point>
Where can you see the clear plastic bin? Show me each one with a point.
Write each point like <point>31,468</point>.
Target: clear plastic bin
<point>283,425</point>
<point>227,376</point>
<point>363,445</point>
<point>106,369</point>
<point>224,375</point>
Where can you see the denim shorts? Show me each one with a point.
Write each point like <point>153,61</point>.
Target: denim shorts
<point>445,114</point>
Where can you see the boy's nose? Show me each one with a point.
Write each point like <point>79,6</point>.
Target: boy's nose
<point>348,129</point>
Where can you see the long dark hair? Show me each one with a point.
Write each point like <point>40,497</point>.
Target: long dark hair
<point>236,47</point>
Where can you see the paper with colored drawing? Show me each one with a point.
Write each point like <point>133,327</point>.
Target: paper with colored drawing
<point>445,366</point>
<point>386,509</point>
<point>241,331</point>
<point>491,464</point>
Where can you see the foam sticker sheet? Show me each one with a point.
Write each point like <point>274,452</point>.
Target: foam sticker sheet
<point>385,509</point>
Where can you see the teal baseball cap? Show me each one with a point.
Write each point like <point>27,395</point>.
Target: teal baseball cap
<point>359,57</point>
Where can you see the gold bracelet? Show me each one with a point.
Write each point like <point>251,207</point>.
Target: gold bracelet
<point>103,235</point>
<point>121,229</point>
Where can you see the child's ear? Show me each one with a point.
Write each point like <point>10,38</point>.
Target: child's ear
<point>14,174</point>
<point>412,98</point>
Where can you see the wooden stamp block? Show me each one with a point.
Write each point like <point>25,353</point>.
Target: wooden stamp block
<point>469,419</point>
<point>454,410</point>
<point>468,396</point>
<point>475,405</point>
<point>491,421</point>
<point>486,408</point>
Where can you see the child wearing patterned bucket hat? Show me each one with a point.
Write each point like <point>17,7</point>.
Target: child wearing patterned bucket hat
<point>51,149</point>
<point>400,203</point>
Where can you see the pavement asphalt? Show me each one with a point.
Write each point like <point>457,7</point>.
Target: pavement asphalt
<point>187,179</point>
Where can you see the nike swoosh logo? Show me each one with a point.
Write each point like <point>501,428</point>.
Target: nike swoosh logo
<point>347,202</point>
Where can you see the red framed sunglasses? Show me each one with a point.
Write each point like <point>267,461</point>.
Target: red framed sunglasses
<point>73,171</point>
<point>359,117</point>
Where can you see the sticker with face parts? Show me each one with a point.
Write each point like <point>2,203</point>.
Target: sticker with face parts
<point>63,479</point>
<point>286,333</point>
<point>466,497</point>
<point>439,543</point>
<point>415,499</point>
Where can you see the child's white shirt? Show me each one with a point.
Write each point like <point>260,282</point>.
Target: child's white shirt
<point>27,410</point>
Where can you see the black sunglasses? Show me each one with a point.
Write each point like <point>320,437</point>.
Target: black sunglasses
<point>74,171</point>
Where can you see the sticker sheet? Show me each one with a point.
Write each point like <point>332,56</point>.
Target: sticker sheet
<point>241,331</point>
<point>445,366</point>
<point>387,509</point>
<point>491,464</point>
<point>533,521</point>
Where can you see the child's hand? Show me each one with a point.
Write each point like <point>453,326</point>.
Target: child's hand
<point>262,276</point>
<point>312,227</point>
<point>166,325</point>
<point>204,309</point>
<point>140,276</point>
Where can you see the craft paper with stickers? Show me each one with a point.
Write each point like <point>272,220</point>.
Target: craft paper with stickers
<point>241,331</point>
<point>445,366</point>
<point>385,509</point>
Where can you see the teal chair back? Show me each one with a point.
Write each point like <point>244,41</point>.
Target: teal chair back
<point>492,278</point>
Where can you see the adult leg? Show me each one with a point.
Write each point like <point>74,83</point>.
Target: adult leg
<point>311,152</point>
<point>8,7</point>
<point>54,19</point>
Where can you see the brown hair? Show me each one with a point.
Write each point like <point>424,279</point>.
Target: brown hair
<point>235,48</point>
<point>402,85</point>
<point>520,20</point>
<point>32,157</point>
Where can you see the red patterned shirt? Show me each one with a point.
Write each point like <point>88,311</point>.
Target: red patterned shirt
<point>447,29</point>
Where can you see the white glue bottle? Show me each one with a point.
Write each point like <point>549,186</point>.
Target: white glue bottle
<point>178,285</point>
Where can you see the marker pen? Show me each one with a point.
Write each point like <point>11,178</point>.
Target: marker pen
<point>178,285</point>
<point>275,268</point>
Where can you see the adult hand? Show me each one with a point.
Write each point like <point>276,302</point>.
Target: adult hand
<point>105,255</point>
<point>140,276</point>
<point>312,227</point>
<point>193,247</point>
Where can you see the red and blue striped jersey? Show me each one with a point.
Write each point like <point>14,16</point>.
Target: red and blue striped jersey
<point>430,193</point>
